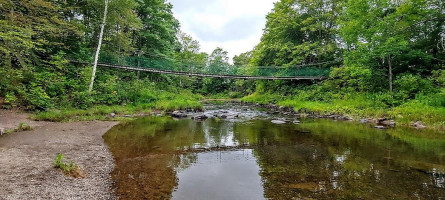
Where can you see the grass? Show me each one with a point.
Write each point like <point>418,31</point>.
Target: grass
<point>69,169</point>
<point>360,106</point>
<point>102,112</point>
<point>266,98</point>
<point>21,127</point>
<point>93,113</point>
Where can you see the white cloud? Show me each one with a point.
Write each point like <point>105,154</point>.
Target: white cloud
<point>234,25</point>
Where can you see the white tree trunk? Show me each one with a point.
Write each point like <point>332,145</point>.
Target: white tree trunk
<point>390,74</point>
<point>96,58</point>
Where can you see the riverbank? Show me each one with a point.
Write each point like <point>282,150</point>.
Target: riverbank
<point>26,159</point>
<point>411,114</point>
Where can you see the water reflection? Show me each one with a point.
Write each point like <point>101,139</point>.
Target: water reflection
<point>221,175</point>
<point>160,158</point>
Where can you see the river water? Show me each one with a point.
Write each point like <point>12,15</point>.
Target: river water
<point>249,157</point>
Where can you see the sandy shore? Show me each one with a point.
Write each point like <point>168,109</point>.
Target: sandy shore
<point>26,160</point>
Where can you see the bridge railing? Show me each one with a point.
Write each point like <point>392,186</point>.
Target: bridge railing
<point>215,69</point>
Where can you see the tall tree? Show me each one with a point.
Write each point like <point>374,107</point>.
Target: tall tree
<point>96,58</point>
<point>299,32</point>
<point>393,36</point>
<point>157,36</point>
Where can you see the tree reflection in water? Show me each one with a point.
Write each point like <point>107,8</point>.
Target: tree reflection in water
<point>319,159</point>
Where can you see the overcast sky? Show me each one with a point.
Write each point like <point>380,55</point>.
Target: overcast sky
<point>234,25</point>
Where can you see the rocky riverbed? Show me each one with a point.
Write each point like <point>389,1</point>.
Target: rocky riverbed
<point>26,160</point>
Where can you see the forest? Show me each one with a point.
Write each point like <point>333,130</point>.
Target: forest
<point>386,59</point>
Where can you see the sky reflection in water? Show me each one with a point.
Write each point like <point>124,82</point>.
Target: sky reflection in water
<point>162,158</point>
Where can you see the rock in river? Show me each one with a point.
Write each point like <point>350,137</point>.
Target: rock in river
<point>278,122</point>
<point>419,125</point>
<point>200,117</point>
<point>380,127</point>
<point>178,114</point>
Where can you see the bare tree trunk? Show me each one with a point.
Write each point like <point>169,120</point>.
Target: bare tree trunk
<point>390,74</point>
<point>139,64</point>
<point>102,26</point>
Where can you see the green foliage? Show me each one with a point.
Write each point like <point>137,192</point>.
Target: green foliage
<point>417,110</point>
<point>265,98</point>
<point>350,79</point>
<point>59,163</point>
<point>23,127</point>
<point>439,77</point>
<point>408,85</point>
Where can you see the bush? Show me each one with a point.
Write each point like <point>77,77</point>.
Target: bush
<point>408,85</point>
<point>70,169</point>
<point>350,78</point>
<point>82,100</point>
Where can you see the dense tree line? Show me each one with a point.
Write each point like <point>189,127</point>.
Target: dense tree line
<point>386,57</point>
<point>378,43</point>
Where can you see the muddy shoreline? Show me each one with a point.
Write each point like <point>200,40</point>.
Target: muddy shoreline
<point>26,160</point>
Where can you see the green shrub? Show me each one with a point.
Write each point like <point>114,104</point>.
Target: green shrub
<point>82,100</point>
<point>10,101</point>
<point>350,78</point>
<point>68,169</point>
<point>23,127</point>
<point>408,85</point>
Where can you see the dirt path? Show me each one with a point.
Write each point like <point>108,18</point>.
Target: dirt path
<point>26,160</point>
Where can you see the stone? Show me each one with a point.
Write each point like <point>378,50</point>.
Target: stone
<point>364,121</point>
<point>2,131</point>
<point>112,115</point>
<point>380,127</point>
<point>232,116</point>
<point>381,120</point>
<point>200,117</point>
<point>128,116</point>
<point>178,114</point>
<point>278,122</point>
<point>419,125</point>
<point>296,122</point>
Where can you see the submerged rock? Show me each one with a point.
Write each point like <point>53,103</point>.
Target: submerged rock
<point>364,121</point>
<point>380,127</point>
<point>278,121</point>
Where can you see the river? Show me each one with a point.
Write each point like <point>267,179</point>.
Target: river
<point>249,157</point>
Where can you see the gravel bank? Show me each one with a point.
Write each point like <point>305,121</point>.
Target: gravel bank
<point>26,158</point>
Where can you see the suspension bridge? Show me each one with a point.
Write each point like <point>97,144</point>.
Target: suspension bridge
<point>317,71</point>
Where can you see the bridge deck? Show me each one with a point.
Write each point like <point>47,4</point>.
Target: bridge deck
<point>210,75</point>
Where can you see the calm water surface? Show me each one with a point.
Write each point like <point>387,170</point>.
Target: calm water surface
<point>252,158</point>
